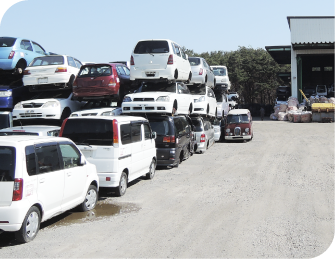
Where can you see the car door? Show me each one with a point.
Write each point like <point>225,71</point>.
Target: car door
<point>75,175</point>
<point>148,145</point>
<point>178,60</point>
<point>72,66</point>
<point>182,99</point>
<point>50,178</point>
<point>38,50</point>
<point>27,51</point>
<point>211,101</point>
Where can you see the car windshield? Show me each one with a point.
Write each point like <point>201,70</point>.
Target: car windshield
<point>160,126</point>
<point>237,118</point>
<point>95,70</point>
<point>89,132</point>
<point>7,41</point>
<point>7,164</point>
<point>52,94</point>
<point>219,71</point>
<point>197,89</point>
<point>218,98</point>
<point>197,124</point>
<point>7,133</point>
<point>4,121</point>
<point>160,87</point>
<point>194,61</point>
<point>152,46</point>
<point>321,88</point>
<point>47,61</point>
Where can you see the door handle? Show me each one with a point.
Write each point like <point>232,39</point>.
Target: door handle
<point>68,173</point>
<point>42,180</point>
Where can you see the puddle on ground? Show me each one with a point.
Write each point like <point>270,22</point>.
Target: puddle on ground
<point>102,210</point>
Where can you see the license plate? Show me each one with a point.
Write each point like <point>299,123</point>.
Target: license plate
<point>43,80</point>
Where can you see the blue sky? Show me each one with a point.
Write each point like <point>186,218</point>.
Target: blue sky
<point>107,30</point>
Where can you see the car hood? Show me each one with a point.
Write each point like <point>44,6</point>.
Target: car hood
<point>4,87</point>
<point>149,94</point>
<point>42,100</point>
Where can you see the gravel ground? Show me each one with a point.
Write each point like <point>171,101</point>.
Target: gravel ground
<point>270,197</point>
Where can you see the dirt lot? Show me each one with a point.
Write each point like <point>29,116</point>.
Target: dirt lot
<point>271,197</point>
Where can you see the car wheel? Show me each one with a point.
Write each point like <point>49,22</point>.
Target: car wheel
<point>122,188</point>
<point>65,114</point>
<point>207,145</point>
<point>176,74</point>
<point>207,109</point>
<point>174,109</point>
<point>70,83</point>
<point>214,83</point>
<point>206,79</point>
<point>30,226</point>
<point>189,78</point>
<point>20,67</point>
<point>91,199</point>
<point>152,170</point>
<point>190,109</point>
<point>216,113</point>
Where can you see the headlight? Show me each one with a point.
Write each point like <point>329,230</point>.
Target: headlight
<point>107,114</point>
<point>163,99</point>
<point>227,130</point>
<point>127,99</point>
<point>5,93</point>
<point>246,130</point>
<point>50,104</point>
<point>18,106</point>
<point>201,99</point>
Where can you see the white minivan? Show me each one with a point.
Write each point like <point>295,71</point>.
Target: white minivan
<point>122,147</point>
<point>42,177</point>
<point>159,60</point>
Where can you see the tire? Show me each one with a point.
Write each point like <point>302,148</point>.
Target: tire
<point>189,78</point>
<point>205,79</point>
<point>30,226</point>
<point>70,83</point>
<point>216,113</point>
<point>65,114</point>
<point>190,109</point>
<point>214,83</point>
<point>174,109</point>
<point>20,67</point>
<point>176,74</point>
<point>91,199</point>
<point>207,109</point>
<point>122,188</point>
<point>152,170</point>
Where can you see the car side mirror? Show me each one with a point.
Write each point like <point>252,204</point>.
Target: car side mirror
<point>82,160</point>
<point>153,135</point>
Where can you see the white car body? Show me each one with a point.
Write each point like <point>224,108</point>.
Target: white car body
<point>166,58</point>
<point>222,105</point>
<point>232,104</point>
<point>202,73</point>
<point>48,108</point>
<point>160,102</point>
<point>98,112</point>
<point>37,130</point>
<point>43,72</point>
<point>123,153</point>
<point>221,77</point>
<point>28,181</point>
<point>204,103</point>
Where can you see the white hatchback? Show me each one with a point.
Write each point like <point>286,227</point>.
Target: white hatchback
<point>204,100</point>
<point>41,177</point>
<point>159,60</point>
<point>51,72</point>
<point>167,98</point>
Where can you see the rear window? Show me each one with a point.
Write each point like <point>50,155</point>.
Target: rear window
<point>161,126</point>
<point>94,71</point>
<point>198,124</point>
<point>151,46</point>
<point>7,164</point>
<point>47,60</point>
<point>7,41</point>
<point>89,132</point>
<point>219,71</point>
<point>4,121</point>
<point>194,61</point>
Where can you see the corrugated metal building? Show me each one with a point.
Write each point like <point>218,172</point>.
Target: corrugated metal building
<point>311,52</point>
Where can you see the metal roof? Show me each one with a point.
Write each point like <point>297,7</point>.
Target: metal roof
<point>312,29</point>
<point>281,54</point>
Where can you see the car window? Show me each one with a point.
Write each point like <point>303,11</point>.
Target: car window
<point>197,89</point>
<point>70,155</point>
<point>126,70</point>
<point>78,63</point>
<point>197,124</point>
<point>152,46</point>
<point>38,48</point>
<point>183,54</point>
<point>210,93</point>
<point>183,88</point>
<point>47,60</point>
<point>206,125</point>
<point>177,50</point>
<point>179,129</point>
<point>95,70</point>
<point>30,160</point>
<point>160,126</point>
<point>7,41</point>
<point>71,62</point>
<point>194,61</point>
<point>125,134</point>
<point>204,63</point>
<point>120,70</point>
<point>147,131</point>
<point>25,44</point>
<point>7,164</point>
<point>136,134</point>
<point>47,159</point>
<point>219,71</point>
<point>184,122</point>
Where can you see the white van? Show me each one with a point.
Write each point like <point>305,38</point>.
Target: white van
<point>41,177</point>
<point>221,78</point>
<point>122,147</point>
<point>159,60</point>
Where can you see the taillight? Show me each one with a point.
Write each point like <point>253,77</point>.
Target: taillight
<point>62,128</point>
<point>203,138</point>
<point>201,71</point>
<point>11,54</point>
<point>61,69</point>
<point>170,60</point>
<point>112,82</point>
<point>26,72</point>
<point>18,189</point>
<point>132,63</point>
<point>169,139</point>
<point>115,133</point>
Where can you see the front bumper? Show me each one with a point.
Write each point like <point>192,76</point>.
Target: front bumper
<point>245,137</point>
<point>147,107</point>
<point>36,113</point>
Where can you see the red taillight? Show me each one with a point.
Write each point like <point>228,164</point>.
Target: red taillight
<point>112,82</point>
<point>170,60</point>
<point>169,139</point>
<point>26,72</point>
<point>201,71</point>
<point>203,138</point>
<point>61,69</point>
<point>132,63</point>
<point>62,128</point>
<point>18,189</point>
<point>115,132</point>
<point>11,54</point>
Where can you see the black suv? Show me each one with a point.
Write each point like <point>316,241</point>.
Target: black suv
<point>174,142</point>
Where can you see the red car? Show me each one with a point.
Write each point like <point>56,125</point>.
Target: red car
<point>102,81</point>
<point>239,125</point>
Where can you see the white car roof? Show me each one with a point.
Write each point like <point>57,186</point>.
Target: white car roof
<point>238,111</point>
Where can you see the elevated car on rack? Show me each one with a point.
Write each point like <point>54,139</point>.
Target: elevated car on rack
<point>33,130</point>
<point>204,100</point>
<point>202,73</point>
<point>167,98</point>
<point>221,78</point>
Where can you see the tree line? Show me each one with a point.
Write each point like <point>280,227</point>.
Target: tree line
<point>252,72</point>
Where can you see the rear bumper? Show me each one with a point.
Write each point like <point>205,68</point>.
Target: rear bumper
<point>14,215</point>
<point>197,79</point>
<point>149,74</point>
<point>94,91</point>
<point>59,78</point>
<point>7,64</point>
<point>167,157</point>
<point>113,181</point>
